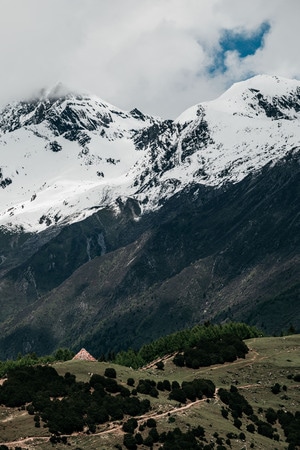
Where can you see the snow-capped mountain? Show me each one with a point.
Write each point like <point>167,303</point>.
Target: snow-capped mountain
<point>65,155</point>
<point>222,141</point>
<point>136,226</point>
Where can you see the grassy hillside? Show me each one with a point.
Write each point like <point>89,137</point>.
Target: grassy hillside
<point>269,361</point>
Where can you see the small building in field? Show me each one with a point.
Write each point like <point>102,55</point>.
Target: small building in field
<point>84,355</point>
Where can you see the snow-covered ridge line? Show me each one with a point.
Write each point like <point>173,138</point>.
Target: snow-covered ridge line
<point>64,155</point>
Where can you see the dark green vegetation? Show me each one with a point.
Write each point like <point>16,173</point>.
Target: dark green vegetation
<point>112,282</point>
<point>201,345</point>
<point>83,404</point>
<point>62,354</point>
<point>253,402</point>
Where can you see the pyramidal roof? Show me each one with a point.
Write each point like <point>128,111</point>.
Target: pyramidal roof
<point>84,355</point>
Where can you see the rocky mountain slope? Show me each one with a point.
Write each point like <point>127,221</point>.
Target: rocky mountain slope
<point>118,227</point>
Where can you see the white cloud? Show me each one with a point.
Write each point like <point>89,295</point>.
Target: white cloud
<point>153,55</point>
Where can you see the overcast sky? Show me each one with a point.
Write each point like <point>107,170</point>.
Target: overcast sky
<point>160,56</point>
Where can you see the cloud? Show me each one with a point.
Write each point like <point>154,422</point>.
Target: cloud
<point>156,55</point>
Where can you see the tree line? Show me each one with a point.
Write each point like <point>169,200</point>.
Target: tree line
<point>186,339</point>
<point>30,359</point>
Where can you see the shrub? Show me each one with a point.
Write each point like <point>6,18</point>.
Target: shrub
<point>175,385</point>
<point>153,392</point>
<point>110,372</point>
<point>111,385</point>
<point>179,360</point>
<point>129,441</point>
<point>97,380</point>
<point>148,441</point>
<point>130,382</point>
<point>178,395</point>
<point>151,423</point>
<point>154,434</point>
<point>276,388</point>
<point>237,423</point>
<point>271,415</point>
<point>139,439</point>
<point>242,436</point>
<point>189,391</point>
<point>130,425</point>
<point>167,385</point>
<point>224,413</point>
<point>265,429</point>
<point>160,365</point>
<point>250,428</point>
<point>160,386</point>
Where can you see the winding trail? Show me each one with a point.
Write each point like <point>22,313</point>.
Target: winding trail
<point>115,428</point>
<point>34,441</point>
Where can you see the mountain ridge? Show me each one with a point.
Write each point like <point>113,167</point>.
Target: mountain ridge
<point>199,220</point>
<point>96,153</point>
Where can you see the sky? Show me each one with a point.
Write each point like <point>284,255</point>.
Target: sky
<point>160,56</point>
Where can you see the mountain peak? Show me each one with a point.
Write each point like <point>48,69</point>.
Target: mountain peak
<point>92,153</point>
<point>268,85</point>
<point>59,90</point>
<point>272,96</point>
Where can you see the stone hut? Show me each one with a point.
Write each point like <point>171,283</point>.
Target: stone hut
<point>84,355</point>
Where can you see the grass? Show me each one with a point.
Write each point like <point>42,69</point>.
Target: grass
<point>269,361</point>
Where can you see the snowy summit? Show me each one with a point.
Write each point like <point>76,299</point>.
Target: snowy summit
<point>65,155</point>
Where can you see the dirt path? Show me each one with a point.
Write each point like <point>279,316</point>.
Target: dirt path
<point>113,429</point>
<point>26,441</point>
<point>116,428</point>
<point>13,415</point>
<point>161,359</point>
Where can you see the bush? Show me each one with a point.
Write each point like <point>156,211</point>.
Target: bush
<point>237,423</point>
<point>160,365</point>
<point>160,386</point>
<point>129,441</point>
<point>151,423</point>
<point>271,416</point>
<point>147,387</point>
<point>250,428</point>
<point>265,429</point>
<point>224,413</point>
<point>153,392</point>
<point>111,385</point>
<point>97,380</point>
<point>175,385</point>
<point>139,439</point>
<point>130,382</point>
<point>130,425</point>
<point>110,372</point>
<point>148,441</point>
<point>242,436</point>
<point>178,395</point>
<point>276,388</point>
<point>167,385</point>
<point>189,391</point>
<point>154,434</point>
<point>179,360</point>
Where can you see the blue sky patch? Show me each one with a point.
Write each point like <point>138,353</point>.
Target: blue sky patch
<point>243,42</point>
